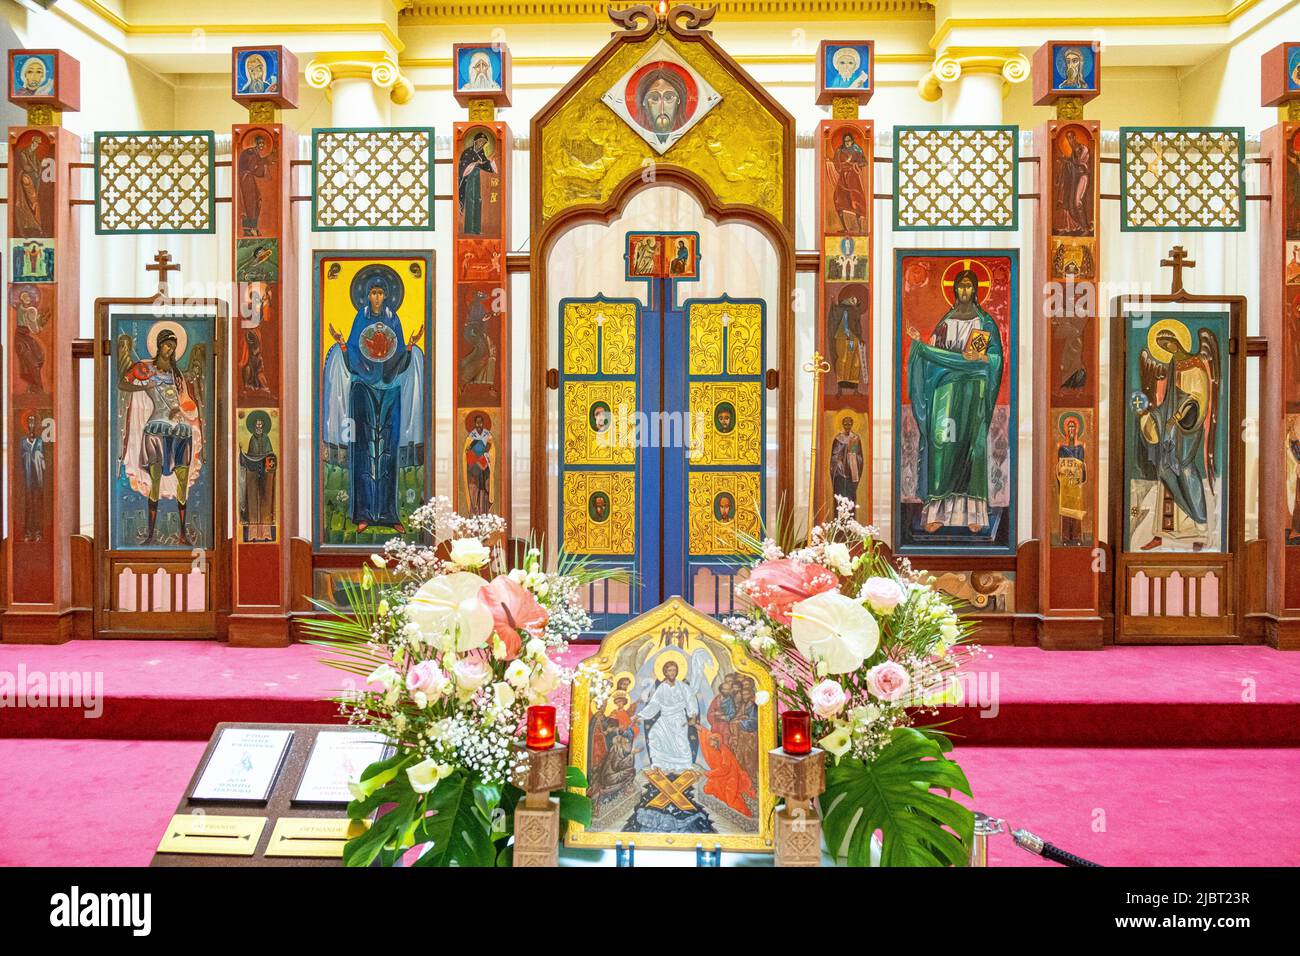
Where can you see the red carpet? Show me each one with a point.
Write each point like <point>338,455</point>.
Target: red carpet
<point>1126,696</point>
<point>1118,807</point>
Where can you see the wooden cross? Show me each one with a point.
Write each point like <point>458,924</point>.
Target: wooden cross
<point>162,264</point>
<point>1177,261</point>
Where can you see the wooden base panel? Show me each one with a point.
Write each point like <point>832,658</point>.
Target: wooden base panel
<point>537,834</point>
<point>798,836</point>
<point>260,630</point>
<point>29,627</point>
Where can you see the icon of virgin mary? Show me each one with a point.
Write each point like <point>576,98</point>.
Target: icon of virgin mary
<point>375,377</point>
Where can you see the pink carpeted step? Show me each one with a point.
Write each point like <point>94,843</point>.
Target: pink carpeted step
<point>1118,807</point>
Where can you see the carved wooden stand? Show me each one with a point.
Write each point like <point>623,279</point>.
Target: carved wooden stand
<point>799,781</point>
<point>537,817</point>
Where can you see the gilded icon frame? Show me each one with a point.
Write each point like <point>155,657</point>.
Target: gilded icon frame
<point>678,612</point>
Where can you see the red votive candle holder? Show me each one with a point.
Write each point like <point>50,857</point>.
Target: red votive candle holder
<point>540,726</point>
<point>796,732</point>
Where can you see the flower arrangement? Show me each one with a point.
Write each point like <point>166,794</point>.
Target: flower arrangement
<point>452,648</point>
<point>866,648</point>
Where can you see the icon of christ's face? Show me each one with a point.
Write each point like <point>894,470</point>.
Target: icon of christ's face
<point>661,104</point>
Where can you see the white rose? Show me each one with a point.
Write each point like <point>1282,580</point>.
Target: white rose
<point>838,559</point>
<point>469,553</point>
<point>470,673</point>
<point>545,678</point>
<point>834,630</point>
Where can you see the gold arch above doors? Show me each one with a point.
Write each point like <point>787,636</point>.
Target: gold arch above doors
<point>738,150</point>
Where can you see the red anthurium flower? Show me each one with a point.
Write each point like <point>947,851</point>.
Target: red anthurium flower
<point>776,585</point>
<point>515,612</point>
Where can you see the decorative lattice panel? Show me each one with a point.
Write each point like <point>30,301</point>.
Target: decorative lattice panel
<point>154,182</point>
<point>1187,178</point>
<point>955,177</point>
<point>372,178</point>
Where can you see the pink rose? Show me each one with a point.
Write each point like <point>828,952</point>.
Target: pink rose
<point>828,699</point>
<point>888,681</point>
<point>776,585</point>
<point>426,678</point>
<point>471,673</point>
<point>882,594</point>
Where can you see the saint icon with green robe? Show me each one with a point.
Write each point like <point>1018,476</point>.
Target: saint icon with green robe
<point>953,381</point>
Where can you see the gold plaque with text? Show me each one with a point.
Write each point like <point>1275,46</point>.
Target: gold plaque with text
<point>211,834</point>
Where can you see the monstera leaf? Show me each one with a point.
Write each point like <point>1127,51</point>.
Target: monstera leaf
<point>458,825</point>
<point>895,794</point>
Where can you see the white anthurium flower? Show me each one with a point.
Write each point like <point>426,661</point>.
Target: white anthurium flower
<point>469,553</point>
<point>383,674</point>
<point>535,647</point>
<point>834,630</point>
<point>449,605</point>
<point>424,776</point>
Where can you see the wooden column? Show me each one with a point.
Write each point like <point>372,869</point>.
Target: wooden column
<point>480,424</point>
<point>1067,265</point>
<point>1279,302</point>
<point>43,419</point>
<point>264,344</point>
<point>844,177</point>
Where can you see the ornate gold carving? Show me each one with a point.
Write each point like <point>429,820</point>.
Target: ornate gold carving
<point>153,182</point>
<point>1069,108</point>
<point>1290,112</point>
<point>710,533</point>
<point>734,439</point>
<point>262,111</point>
<point>44,116</point>
<point>616,324</point>
<point>1182,178</point>
<point>615,443</point>
<point>844,107</point>
<point>482,111</point>
<point>372,179</point>
<point>618,340</point>
<point>736,149</point>
<point>744,324</point>
<point>586,534</point>
<point>705,348</point>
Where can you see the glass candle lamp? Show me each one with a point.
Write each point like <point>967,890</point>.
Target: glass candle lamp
<point>796,732</point>
<point>540,727</point>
